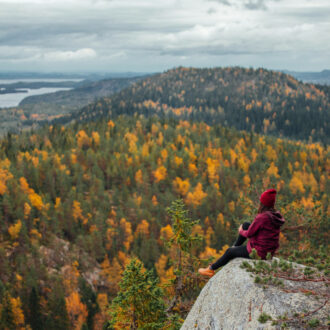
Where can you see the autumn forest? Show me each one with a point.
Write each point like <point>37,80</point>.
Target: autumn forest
<point>128,197</point>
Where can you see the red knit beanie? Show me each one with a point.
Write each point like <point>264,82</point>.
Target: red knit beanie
<point>267,198</point>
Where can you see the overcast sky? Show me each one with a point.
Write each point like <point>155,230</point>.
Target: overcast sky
<point>156,35</point>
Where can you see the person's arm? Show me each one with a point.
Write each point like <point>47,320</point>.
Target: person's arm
<point>254,227</point>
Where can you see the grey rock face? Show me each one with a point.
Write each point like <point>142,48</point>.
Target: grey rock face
<point>231,300</point>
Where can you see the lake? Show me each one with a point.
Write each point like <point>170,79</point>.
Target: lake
<point>13,99</point>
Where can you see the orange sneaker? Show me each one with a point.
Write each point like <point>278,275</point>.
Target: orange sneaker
<point>206,272</point>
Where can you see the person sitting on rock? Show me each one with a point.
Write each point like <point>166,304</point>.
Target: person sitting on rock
<point>263,234</point>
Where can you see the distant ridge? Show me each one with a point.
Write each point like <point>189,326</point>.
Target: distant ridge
<point>58,75</point>
<point>259,100</point>
<point>322,77</point>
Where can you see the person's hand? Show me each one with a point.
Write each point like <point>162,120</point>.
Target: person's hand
<point>240,228</point>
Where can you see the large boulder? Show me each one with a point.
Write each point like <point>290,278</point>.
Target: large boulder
<point>232,300</point>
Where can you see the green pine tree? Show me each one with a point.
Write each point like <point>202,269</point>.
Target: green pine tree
<point>35,317</point>
<point>139,303</point>
<point>7,319</point>
<point>184,262</point>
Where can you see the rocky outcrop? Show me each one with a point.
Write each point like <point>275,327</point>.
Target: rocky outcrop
<point>232,300</point>
<point>59,256</point>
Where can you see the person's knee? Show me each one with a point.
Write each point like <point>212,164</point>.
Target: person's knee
<point>230,251</point>
<point>246,225</point>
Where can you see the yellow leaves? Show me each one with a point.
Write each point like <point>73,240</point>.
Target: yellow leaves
<point>93,228</point>
<point>164,154</point>
<point>301,180</point>
<point>231,206</point>
<point>212,169</point>
<point>303,156</point>
<point>192,169</point>
<point>132,139</point>
<point>180,139</point>
<point>17,312</point>
<point>82,139</point>
<point>209,253</point>
<point>212,253</point>
<point>164,272</point>
<point>15,229</point>
<point>196,197</point>
<point>243,163</point>
<point>254,155</point>
<point>57,203</point>
<point>323,181</point>
<point>70,277</point>
<point>25,186</point>
<point>142,229</point>
<point>150,104</point>
<point>266,125</point>
<point>160,173</point>
<point>36,201</point>
<point>77,213</point>
<point>192,156</point>
<point>160,139</point>
<point>35,236</point>
<point>272,170</point>
<point>96,138</point>
<point>223,250</point>
<point>296,184</point>
<point>197,230</point>
<point>73,159</point>
<point>178,161</point>
<point>127,231</point>
<point>19,278</point>
<point>139,177</point>
<point>102,301</point>
<point>3,187</point>
<point>34,198</point>
<point>308,203</point>
<point>208,235</point>
<point>154,200</point>
<point>5,175</point>
<point>233,156</point>
<point>145,150</point>
<point>111,124</point>
<point>310,181</point>
<point>220,219</point>
<point>137,199</point>
<point>166,233</point>
<point>35,161</point>
<point>154,129</point>
<point>77,311</point>
<point>246,180</point>
<point>248,106</point>
<point>271,153</point>
<point>181,186</point>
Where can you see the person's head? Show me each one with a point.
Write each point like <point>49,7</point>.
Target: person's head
<point>267,201</point>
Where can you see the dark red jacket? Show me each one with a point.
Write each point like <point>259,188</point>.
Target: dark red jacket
<point>264,233</point>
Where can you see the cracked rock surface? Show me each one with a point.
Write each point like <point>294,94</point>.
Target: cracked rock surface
<point>231,300</point>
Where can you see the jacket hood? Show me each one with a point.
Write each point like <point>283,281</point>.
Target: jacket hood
<point>276,218</point>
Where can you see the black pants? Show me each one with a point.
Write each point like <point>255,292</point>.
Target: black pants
<point>236,251</point>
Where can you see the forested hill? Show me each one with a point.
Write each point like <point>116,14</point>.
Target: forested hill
<point>260,100</point>
<point>78,202</point>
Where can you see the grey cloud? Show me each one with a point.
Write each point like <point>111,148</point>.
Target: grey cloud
<point>211,11</point>
<point>125,33</point>
<point>312,14</point>
<point>223,2</point>
<point>247,4</point>
<point>255,4</point>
